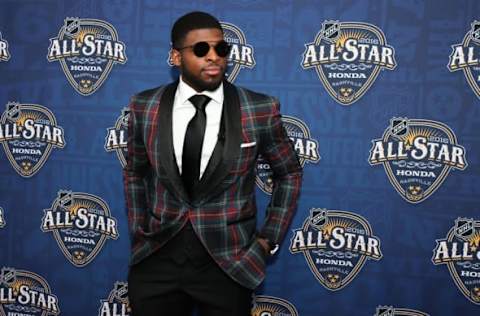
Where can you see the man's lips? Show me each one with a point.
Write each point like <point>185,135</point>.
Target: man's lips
<point>212,70</point>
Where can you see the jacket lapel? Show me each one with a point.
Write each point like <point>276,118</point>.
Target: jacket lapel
<point>164,147</point>
<point>228,145</point>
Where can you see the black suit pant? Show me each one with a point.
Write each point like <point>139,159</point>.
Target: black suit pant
<point>182,277</point>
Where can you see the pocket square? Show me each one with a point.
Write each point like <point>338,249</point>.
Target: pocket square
<point>244,145</point>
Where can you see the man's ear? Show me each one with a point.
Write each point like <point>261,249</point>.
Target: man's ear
<point>175,57</point>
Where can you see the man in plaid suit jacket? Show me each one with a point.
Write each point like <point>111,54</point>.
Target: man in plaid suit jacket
<point>198,247</point>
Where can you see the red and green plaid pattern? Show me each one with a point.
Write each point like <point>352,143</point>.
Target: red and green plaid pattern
<point>225,222</point>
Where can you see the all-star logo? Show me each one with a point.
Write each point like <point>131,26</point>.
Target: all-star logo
<point>348,56</point>
<point>87,49</point>
<point>417,155</point>
<point>116,139</point>
<point>2,218</point>
<point>305,147</point>
<point>25,293</point>
<point>117,303</point>
<point>272,306</point>
<point>28,132</point>
<point>4,53</point>
<point>336,245</point>
<point>241,54</point>
<point>465,56</point>
<point>394,311</point>
<point>81,224</point>
<point>460,251</point>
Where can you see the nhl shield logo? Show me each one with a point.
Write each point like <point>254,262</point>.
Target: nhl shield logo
<point>305,147</point>
<point>460,251</point>
<point>28,132</point>
<point>117,303</point>
<point>417,156</point>
<point>26,292</point>
<point>8,276</point>
<point>348,57</point>
<point>116,139</point>
<point>475,32</point>
<point>465,57</point>
<point>336,246</point>
<point>4,53</point>
<point>464,228</point>
<point>72,26</point>
<point>81,224</point>
<point>87,49</point>
<point>399,127</point>
<point>318,218</point>
<point>331,30</point>
<point>272,306</point>
<point>394,311</point>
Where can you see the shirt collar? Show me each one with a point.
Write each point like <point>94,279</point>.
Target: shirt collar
<point>185,92</point>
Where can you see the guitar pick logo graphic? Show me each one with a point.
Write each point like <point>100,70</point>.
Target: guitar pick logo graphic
<point>394,311</point>
<point>336,245</point>
<point>241,53</point>
<point>272,306</point>
<point>28,132</point>
<point>465,57</point>
<point>87,49</point>
<point>348,57</point>
<point>117,303</point>
<point>4,53</point>
<point>460,251</point>
<point>2,218</point>
<point>417,155</point>
<point>25,293</point>
<point>305,146</point>
<point>81,224</point>
<point>116,139</point>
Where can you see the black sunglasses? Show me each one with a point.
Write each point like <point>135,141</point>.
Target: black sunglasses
<point>201,49</point>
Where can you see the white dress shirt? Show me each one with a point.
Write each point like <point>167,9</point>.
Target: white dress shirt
<point>184,111</point>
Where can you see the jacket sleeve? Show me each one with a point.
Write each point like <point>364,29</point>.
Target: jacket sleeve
<point>278,151</point>
<point>135,170</point>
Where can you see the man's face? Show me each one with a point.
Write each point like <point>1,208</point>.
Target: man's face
<point>201,73</point>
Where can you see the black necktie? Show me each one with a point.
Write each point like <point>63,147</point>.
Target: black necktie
<point>192,145</point>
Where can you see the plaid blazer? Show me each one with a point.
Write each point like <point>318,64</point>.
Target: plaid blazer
<point>223,209</point>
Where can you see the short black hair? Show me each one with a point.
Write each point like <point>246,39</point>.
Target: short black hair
<point>192,21</point>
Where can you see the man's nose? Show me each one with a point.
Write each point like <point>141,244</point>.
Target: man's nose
<point>212,54</point>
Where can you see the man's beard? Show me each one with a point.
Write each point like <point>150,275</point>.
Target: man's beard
<point>198,84</point>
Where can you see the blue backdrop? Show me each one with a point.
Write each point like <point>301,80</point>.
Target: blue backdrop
<point>380,97</point>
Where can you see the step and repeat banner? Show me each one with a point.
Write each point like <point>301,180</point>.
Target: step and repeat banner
<point>380,98</point>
